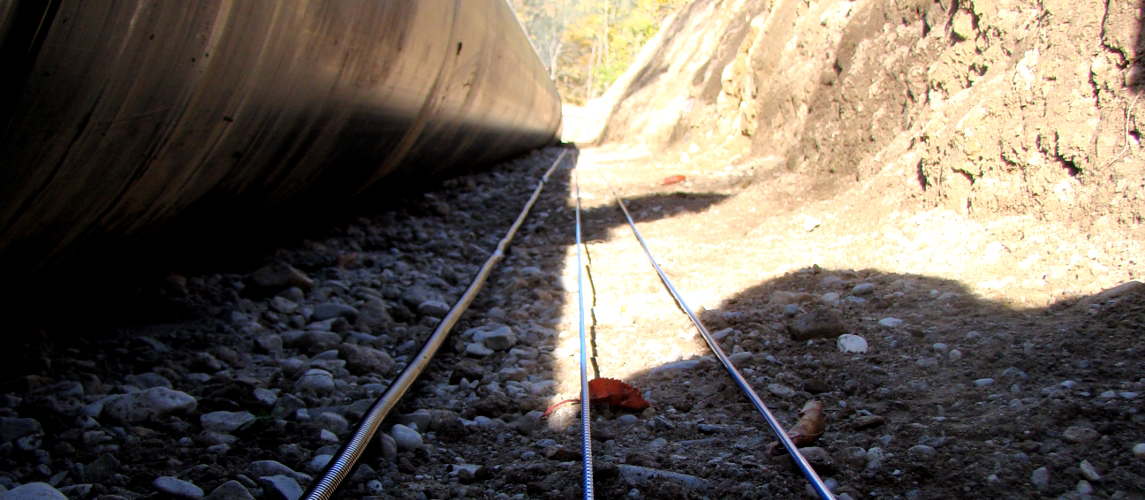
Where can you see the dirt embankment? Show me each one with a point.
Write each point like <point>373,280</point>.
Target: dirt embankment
<point>989,108</point>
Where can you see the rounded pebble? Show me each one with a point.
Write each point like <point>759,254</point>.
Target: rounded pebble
<point>1040,478</point>
<point>405,438</point>
<point>851,343</point>
<point>316,380</point>
<point>34,491</point>
<point>177,488</point>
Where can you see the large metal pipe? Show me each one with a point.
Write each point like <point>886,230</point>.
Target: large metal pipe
<point>137,120</point>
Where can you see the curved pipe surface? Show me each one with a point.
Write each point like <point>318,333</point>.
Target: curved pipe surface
<point>140,121</point>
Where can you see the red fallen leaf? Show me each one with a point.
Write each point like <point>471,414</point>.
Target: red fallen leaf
<point>807,430</point>
<point>672,180</point>
<point>611,392</point>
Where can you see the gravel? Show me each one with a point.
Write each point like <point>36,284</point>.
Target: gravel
<point>247,396</point>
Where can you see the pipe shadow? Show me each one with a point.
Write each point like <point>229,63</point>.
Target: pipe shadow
<point>990,391</point>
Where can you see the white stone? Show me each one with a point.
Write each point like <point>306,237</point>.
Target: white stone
<point>1139,450</point>
<point>148,405</point>
<point>851,343</point>
<point>810,223</point>
<point>890,322</point>
<point>405,438</point>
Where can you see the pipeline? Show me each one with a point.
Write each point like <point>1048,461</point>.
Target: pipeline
<point>343,462</point>
<point>740,381</point>
<point>138,128</point>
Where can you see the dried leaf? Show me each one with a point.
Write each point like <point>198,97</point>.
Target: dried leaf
<point>812,422</point>
<point>611,392</point>
<point>672,180</point>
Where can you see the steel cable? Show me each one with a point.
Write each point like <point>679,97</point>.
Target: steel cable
<point>343,462</point>
<point>800,460</point>
<point>586,422</point>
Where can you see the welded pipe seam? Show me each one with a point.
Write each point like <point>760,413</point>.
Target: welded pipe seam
<point>741,382</point>
<point>343,462</point>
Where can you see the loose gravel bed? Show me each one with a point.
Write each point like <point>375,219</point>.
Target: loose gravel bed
<point>929,391</point>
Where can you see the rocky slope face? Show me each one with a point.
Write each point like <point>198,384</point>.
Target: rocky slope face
<point>985,107</point>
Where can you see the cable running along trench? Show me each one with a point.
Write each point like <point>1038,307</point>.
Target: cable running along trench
<point>800,461</point>
<point>585,421</point>
<point>343,462</point>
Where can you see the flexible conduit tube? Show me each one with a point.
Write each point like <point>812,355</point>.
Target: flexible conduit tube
<point>585,418</point>
<point>800,461</point>
<point>343,462</point>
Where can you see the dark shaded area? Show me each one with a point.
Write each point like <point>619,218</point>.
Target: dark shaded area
<point>144,129</point>
<point>1094,341</point>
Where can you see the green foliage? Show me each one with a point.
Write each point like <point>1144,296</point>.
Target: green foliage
<point>588,44</point>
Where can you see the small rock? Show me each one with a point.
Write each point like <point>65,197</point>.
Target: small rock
<point>225,421</point>
<point>500,339</point>
<point>433,308</point>
<point>890,322</point>
<point>810,223</point>
<point>1089,472</point>
<point>283,305</point>
<point>868,422</point>
<point>954,355</point>
<point>476,350</point>
<point>331,310</point>
<point>148,405</point>
<point>280,488</point>
<point>230,490</point>
<point>922,452</point>
<point>789,310</point>
<point>405,438</point>
<point>389,447</point>
<point>819,322</point>
<point>177,488</point>
<point>1040,478</point>
<point>263,468</point>
<point>332,422</point>
<point>1139,450</point>
<point>675,367</point>
<point>316,380</point>
<point>851,343</point>
<point>741,357</point>
<point>318,463</point>
<point>1084,487</point>
<point>561,454</point>
<point>819,459</point>
<point>362,360</point>
<point>781,390</point>
<point>830,298</point>
<point>983,382</point>
<point>1079,435</point>
<point>277,277</point>
<point>374,316</point>
<point>863,289</point>
<point>148,380</point>
<point>33,491</point>
<point>12,429</point>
